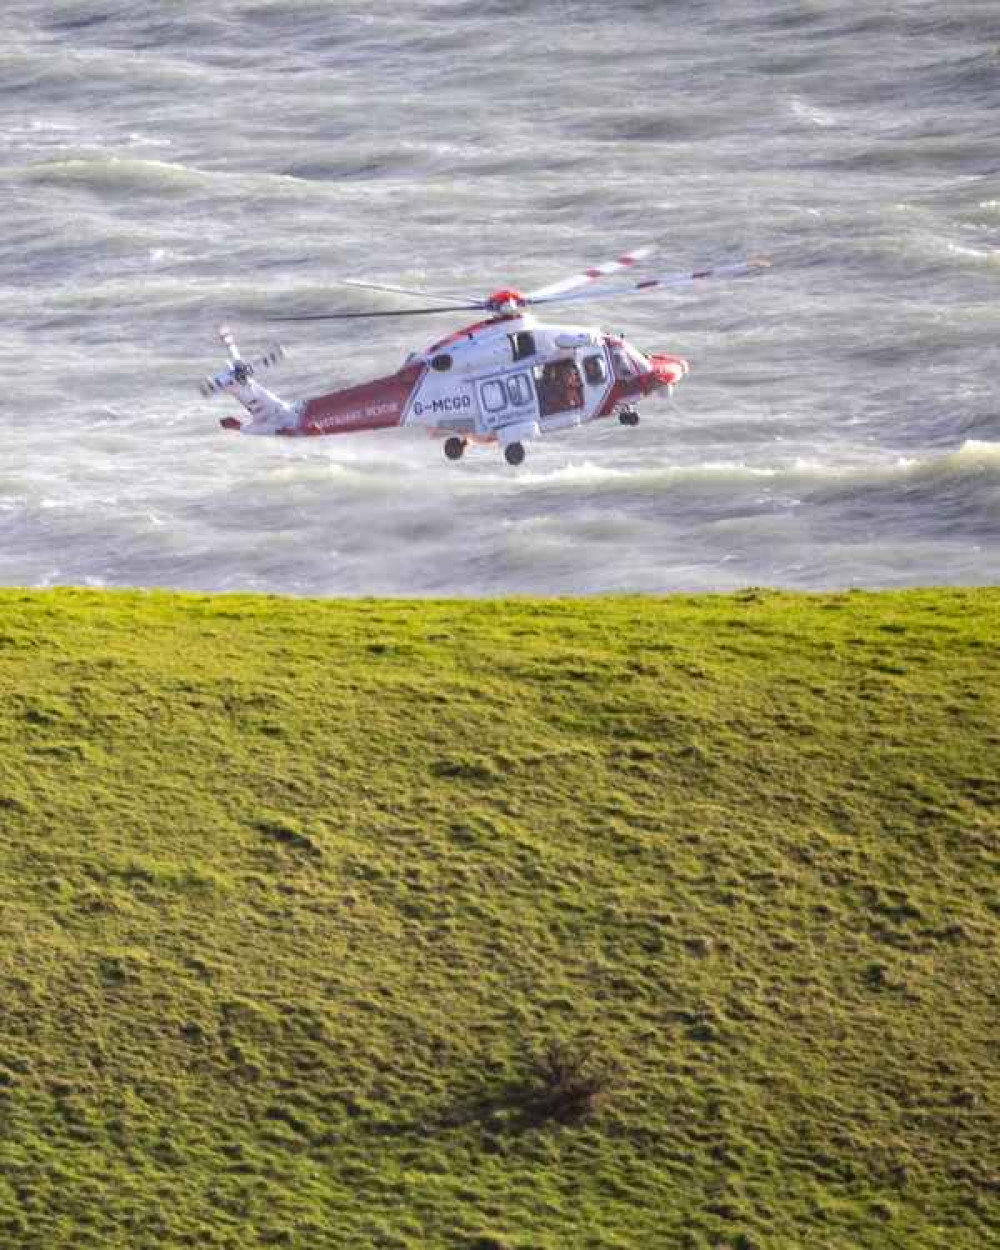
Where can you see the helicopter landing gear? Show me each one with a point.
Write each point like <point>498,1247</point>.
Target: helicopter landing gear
<point>454,447</point>
<point>628,416</point>
<point>514,453</point>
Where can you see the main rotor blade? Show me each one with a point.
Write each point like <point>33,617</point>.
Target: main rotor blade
<point>591,275</point>
<point>462,300</point>
<point>392,312</point>
<point>666,280</point>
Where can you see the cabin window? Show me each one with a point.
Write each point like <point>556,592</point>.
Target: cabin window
<point>522,344</point>
<point>519,390</point>
<point>494,396</point>
<point>595,370</point>
<point>559,386</point>
<point>441,362</point>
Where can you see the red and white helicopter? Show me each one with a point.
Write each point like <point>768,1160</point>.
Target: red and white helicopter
<point>507,379</point>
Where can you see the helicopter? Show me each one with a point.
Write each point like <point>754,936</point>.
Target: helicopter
<point>507,379</point>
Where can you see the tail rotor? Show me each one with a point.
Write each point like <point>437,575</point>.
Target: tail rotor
<point>240,371</point>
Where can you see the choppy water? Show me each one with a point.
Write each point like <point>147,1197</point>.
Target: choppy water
<point>166,167</point>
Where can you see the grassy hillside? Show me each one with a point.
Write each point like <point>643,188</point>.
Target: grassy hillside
<point>612,924</point>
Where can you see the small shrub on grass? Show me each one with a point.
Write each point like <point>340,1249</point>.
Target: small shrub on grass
<point>569,1080</point>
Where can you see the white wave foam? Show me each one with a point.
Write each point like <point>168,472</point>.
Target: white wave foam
<point>812,113</point>
<point>989,256</point>
<point>123,173</point>
<point>799,474</point>
<point>112,173</point>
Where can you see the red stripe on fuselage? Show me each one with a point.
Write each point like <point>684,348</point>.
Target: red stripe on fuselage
<point>666,371</point>
<point>374,405</point>
<point>469,332</point>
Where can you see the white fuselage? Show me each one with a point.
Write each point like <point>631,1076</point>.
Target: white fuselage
<point>511,379</point>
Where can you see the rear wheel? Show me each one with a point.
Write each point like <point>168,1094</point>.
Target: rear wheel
<point>514,453</point>
<point>454,447</point>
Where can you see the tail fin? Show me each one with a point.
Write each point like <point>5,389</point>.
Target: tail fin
<point>240,371</point>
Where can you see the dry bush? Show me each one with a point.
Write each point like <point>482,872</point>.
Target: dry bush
<point>570,1079</point>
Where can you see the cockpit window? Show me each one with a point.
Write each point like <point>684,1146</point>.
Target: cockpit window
<point>522,344</point>
<point>623,363</point>
<point>595,370</point>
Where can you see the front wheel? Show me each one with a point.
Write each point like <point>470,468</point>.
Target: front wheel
<point>629,417</point>
<point>454,447</point>
<point>514,453</point>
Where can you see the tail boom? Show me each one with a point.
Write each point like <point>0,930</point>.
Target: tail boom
<point>374,405</point>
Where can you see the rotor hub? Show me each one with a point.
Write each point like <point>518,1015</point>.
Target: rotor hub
<point>505,301</point>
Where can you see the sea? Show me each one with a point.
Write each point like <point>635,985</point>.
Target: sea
<point>167,167</point>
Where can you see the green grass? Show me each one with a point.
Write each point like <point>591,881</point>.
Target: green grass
<point>302,902</point>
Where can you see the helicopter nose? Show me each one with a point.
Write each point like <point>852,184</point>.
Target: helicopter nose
<point>668,369</point>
